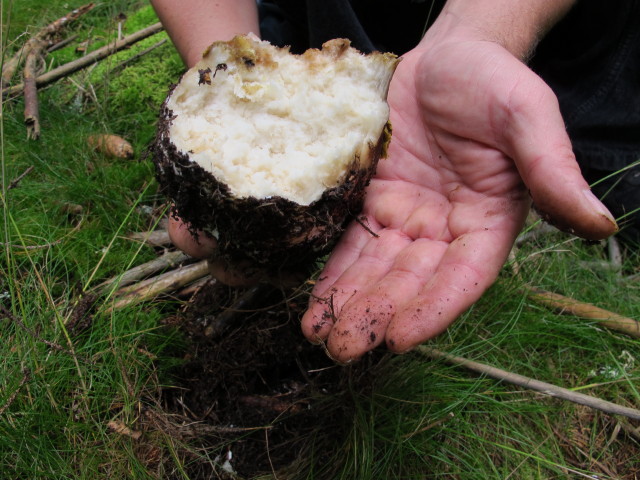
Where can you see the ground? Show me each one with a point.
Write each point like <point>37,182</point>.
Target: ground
<point>257,386</point>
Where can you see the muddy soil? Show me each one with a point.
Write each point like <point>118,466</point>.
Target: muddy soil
<point>260,395</point>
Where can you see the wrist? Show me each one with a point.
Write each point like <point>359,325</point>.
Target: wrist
<point>194,24</point>
<point>516,26</point>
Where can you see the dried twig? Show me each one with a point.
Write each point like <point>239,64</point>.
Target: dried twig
<point>191,289</point>
<point>564,304</point>
<point>122,65</point>
<point>46,35</point>
<point>614,251</point>
<point>633,432</point>
<point>165,283</point>
<point>14,183</point>
<point>87,60</point>
<point>10,66</point>
<point>169,259</point>
<point>61,44</point>
<point>156,238</point>
<point>35,57</point>
<point>362,220</point>
<point>32,247</point>
<point>532,384</point>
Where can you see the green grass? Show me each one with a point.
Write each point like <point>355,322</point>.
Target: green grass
<point>416,419</point>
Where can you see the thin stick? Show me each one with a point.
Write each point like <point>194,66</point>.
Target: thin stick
<point>122,65</point>
<point>630,430</point>
<point>569,305</point>
<point>32,247</point>
<point>54,27</point>
<point>44,35</point>
<point>176,274</point>
<point>361,220</point>
<point>61,44</point>
<point>155,286</point>
<point>10,66</point>
<point>532,384</point>
<point>157,238</point>
<point>14,183</point>
<point>614,251</point>
<point>194,287</point>
<point>31,109</point>
<point>169,259</point>
<point>87,60</point>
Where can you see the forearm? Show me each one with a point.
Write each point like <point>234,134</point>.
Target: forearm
<point>194,24</point>
<point>517,25</point>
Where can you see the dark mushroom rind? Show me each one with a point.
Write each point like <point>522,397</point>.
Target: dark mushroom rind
<point>270,233</point>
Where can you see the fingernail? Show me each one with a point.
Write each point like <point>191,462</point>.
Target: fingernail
<point>598,207</point>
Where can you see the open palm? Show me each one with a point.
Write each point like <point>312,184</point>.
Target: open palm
<point>474,130</point>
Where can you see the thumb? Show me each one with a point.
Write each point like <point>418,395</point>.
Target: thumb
<point>538,142</point>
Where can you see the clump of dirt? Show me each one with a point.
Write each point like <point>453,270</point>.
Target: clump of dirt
<point>255,386</point>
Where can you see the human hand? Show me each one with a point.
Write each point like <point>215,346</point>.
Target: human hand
<point>473,130</point>
<point>201,245</point>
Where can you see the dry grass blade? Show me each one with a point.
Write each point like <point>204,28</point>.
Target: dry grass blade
<point>532,384</point>
<point>569,305</point>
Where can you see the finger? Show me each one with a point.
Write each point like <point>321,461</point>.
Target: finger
<point>373,262</point>
<point>363,321</point>
<point>200,246</point>
<point>469,266</point>
<point>540,146</point>
<point>345,254</point>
